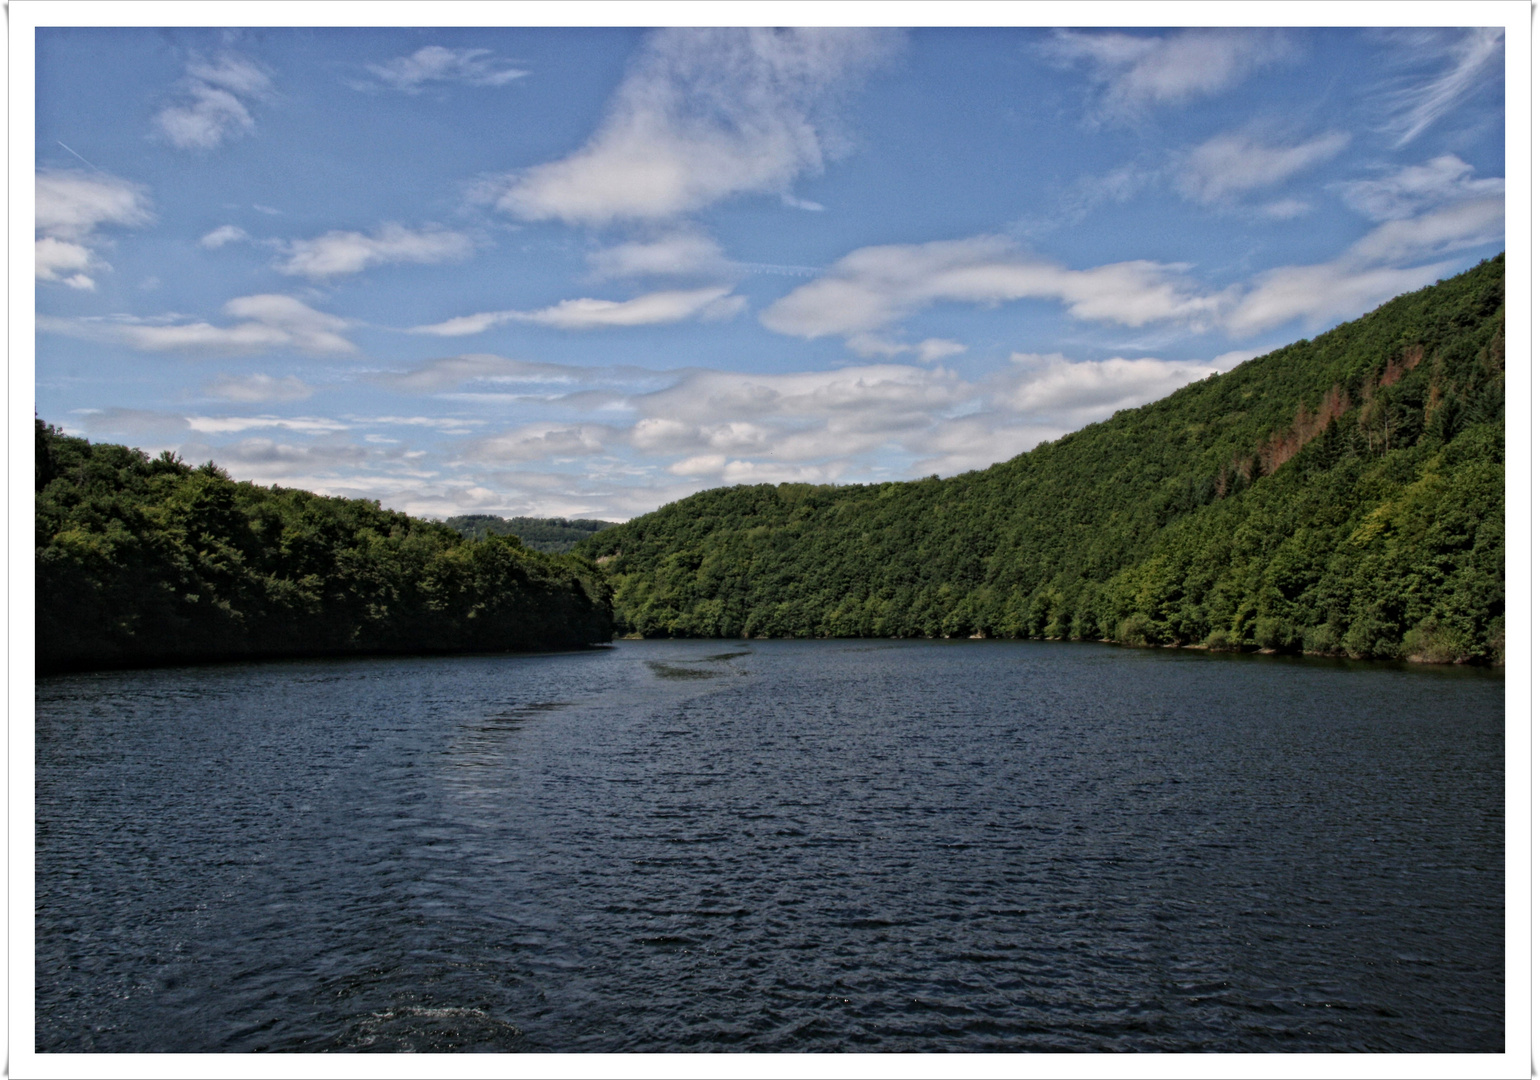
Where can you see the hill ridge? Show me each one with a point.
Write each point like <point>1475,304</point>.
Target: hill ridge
<point>1222,515</point>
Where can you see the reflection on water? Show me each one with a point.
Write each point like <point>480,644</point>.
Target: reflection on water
<point>776,846</point>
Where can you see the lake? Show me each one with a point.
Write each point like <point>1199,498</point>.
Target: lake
<point>773,846</point>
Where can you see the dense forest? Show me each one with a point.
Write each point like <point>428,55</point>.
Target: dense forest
<point>146,560</point>
<point>1340,496</point>
<point>554,536</point>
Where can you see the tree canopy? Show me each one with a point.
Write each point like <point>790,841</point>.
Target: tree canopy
<point>556,536</point>
<point>1339,496</point>
<point>148,560</point>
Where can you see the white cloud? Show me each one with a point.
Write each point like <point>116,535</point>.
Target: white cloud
<point>1414,188</point>
<point>206,120</point>
<point>464,325</point>
<point>541,442</point>
<point>701,116</point>
<point>435,63</point>
<point>271,323</point>
<point>1059,392</point>
<point>450,424</point>
<point>337,253</point>
<point>928,351</point>
<point>648,310</point>
<point>1471,58</point>
<point>662,434</point>
<point>696,428</point>
<point>932,349</point>
<point>792,419</point>
<point>722,470</point>
<point>225,234</point>
<point>212,105</point>
<point>54,260</point>
<point>795,203</point>
<point>224,425</point>
<point>588,314</point>
<point>233,73</point>
<point>147,429</point>
<point>70,207</point>
<point>1369,272</point>
<point>1322,293</point>
<point>728,427</point>
<point>1233,164</point>
<point>1117,186</point>
<point>1449,228</point>
<point>1283,209</point>
<point>1465,213</point>
<point>329,466</point>
<point>875,287</point>
<point>452,371</point>
<point>276,462</point>
<point>872,289</point>
<point>253,389</point>
<point>1138,71</point>
<point>1226,361</point>
<point>680,254</point>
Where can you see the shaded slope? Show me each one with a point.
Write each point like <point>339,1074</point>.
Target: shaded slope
<point>1340,495</point>
<point>142,561</point>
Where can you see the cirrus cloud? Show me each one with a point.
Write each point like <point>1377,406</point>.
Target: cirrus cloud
<point>1468,58</point>
<point>702,115</point>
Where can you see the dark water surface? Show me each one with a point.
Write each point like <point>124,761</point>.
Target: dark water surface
<point>908,846</point>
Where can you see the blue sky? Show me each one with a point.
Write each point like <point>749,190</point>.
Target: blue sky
<point>586,272</point>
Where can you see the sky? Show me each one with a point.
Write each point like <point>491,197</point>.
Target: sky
<point>586,272</point>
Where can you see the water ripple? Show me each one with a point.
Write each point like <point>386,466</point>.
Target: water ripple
<point>980,846</point>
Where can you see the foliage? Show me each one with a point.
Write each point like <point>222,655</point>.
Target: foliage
<point>555,536</point>
<point>1338,496</point>
<point>143,560</point>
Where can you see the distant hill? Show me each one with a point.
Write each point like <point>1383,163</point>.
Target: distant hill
<point>144,560</point>
<point>556,536</point>
<point>1340,496</point>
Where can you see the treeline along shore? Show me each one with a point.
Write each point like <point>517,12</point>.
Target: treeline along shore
<point>144,560</point>
<point>1340,496</point>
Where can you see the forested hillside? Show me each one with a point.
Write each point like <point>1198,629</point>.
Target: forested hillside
<point>143,560</point>
<point>555,536</point>
<point>1341,496</point>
